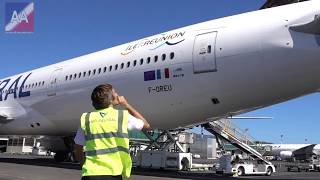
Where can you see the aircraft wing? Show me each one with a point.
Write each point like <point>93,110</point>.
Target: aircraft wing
<point>307,150</point>
<point>11,111</point>
<point>275,3</point>
<point>5,119</point>
<point>7,114</point>
<point>312,27</point>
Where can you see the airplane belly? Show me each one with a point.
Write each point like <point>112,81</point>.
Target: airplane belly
<point>66,109</point>
<point>253,86</point>
<point>32,123</point>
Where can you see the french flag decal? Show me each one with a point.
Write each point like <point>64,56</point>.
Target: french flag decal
<point>156,74</point>
<point>149,75</point>
<point>166,73</point>
<point>19,17</point>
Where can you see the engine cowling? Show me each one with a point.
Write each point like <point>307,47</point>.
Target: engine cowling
<point>286,154</point>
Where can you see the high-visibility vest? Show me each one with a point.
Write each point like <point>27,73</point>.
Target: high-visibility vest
<point>107,143</point>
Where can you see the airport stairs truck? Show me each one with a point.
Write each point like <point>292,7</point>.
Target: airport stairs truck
<point>224,130</point>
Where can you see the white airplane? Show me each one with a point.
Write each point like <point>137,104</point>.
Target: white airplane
<point>290,151</point>
<point>178,78</point>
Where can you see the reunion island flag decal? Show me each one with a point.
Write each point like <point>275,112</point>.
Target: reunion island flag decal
<point>19,17</point>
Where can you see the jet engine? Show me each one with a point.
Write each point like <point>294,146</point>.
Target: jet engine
<point>286,155</point>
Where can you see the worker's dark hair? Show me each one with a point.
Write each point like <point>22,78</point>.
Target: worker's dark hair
<point>102,96</point>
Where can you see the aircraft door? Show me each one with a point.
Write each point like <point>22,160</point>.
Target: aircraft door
<point>203,58</point>
<point>53,82</point>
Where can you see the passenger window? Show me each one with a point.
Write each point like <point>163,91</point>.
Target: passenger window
<point>70,77</point>
<point>122,65</point>
<point>66,78</point>
<point>155,59</point>
<point>89,73</point>
<point>94,72</point>
<point>141,61</point>
<point>134,62</point>
<point>128,64</point>
<point>163,57</point>
<point>105,69</point>
<point>172,55</point>
<point>42,83</point>
<point>148,60</point>
<point>99,71</point>
<point>116,67</point>
<point>84,74</point>
<point>110,68</point>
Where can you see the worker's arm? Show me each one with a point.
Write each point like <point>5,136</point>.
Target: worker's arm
<point>78,153</point>
<point>122,101</point>
<point>135,113</point>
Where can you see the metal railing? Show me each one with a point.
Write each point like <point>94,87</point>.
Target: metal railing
<point>226,126</point>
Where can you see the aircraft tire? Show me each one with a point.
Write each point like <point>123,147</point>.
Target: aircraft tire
<point>60,156</point>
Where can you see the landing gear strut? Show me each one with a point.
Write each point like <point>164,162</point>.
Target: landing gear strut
<point>66,155</point>
<point>164,141</point>
<point>61,156</point>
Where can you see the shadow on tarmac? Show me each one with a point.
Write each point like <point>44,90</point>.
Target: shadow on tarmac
<point>47,162</point>
<point>180,174</point>
<point>50,162</point>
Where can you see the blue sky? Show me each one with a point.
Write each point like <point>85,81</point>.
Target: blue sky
<point>67,29</point>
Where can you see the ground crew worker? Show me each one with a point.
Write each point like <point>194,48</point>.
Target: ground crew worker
<point>103,136</point>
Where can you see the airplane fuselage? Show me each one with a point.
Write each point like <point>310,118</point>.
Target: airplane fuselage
<point>178,78</point>
<point>290,151</point>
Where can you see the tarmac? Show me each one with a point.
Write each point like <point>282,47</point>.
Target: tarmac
<point>26,167</point>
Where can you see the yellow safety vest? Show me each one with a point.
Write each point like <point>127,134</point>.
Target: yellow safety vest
<point>107,143</point>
